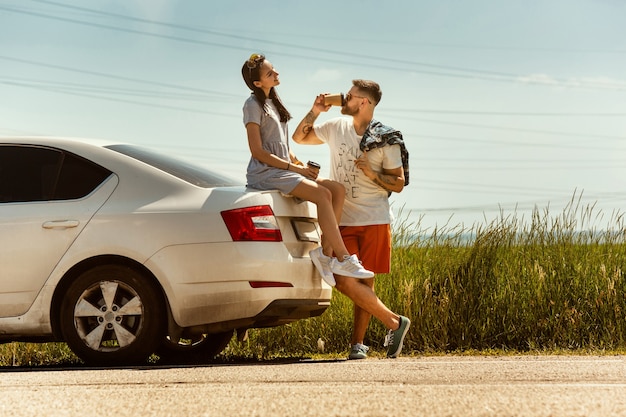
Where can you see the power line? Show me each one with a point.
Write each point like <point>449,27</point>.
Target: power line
<point>119,100</point>
<point>318,36</point>
<point>567,168</point>
<point>504,113</point>
<point>514,206</point>
<point>549,132</point>
<point>456,71</point>
<point>119,77</point>
<point>222,45</point>
<point>524,143</point>
<point>75,90</point>
<point>214,95</point>
<point>264,41</point>
<point>237,96</point>
<point>66,86</point>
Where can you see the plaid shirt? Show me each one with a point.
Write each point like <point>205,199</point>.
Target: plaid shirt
<point>378,135</point>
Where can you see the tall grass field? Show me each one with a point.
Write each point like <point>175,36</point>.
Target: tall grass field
<point>548,283</point>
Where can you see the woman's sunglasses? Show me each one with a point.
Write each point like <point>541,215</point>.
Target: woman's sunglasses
<point>253,62</point>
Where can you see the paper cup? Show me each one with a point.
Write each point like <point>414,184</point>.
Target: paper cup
<point>334,99</point>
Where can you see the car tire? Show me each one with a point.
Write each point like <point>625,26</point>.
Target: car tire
<point>112,315</point>
<point>200,348</point>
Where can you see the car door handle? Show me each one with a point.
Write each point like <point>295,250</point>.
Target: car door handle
<point>60,224</point>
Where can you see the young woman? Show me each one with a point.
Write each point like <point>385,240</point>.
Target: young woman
<point>274,166</point>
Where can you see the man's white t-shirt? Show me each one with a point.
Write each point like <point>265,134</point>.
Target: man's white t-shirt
<point>366,203</point>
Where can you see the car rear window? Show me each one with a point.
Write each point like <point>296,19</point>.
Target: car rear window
<point>36,173</point>
<point>186,171</point>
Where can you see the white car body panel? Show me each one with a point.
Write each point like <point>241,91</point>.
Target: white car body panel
<point>37,234</point>
<point>172,228</point>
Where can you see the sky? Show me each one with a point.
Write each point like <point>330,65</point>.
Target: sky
<point>506,107</point>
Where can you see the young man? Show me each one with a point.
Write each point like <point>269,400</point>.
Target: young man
<point>369,159</point>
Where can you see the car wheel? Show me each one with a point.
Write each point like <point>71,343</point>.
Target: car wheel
<point>198,349</point>
<point>112,315</point>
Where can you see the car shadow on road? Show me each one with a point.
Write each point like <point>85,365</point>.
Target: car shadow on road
<point>157,365</point>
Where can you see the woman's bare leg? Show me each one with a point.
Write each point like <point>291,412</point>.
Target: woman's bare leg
<point>338,193</point>
<point>322,197</point>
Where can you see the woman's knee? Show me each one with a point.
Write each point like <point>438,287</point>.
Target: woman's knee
<point>325,195</point>
<point>311,191</point>
<point>337,190</point>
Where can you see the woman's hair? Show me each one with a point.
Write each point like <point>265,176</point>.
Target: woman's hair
<point>251,73</point>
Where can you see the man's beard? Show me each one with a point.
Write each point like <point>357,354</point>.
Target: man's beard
<point>348,111</point>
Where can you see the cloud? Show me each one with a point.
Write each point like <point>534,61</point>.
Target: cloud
<point>325,75</point>
<point>598,82</point>
<point>537,79</point>
<point>152,9</point>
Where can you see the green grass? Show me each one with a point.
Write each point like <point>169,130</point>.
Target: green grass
<point>36,354</point>
<point>543,285</point>
<point>547,284</point>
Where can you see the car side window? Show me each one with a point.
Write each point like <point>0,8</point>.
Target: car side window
<point>33,173</point>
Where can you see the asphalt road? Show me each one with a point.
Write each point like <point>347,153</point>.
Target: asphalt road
<point>427,386</point>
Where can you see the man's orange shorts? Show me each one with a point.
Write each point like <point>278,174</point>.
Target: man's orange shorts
<point>372,244</point>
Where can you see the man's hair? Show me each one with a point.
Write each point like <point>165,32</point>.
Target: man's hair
<point>370,88</point>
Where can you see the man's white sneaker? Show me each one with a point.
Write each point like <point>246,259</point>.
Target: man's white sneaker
<point>322,263</point>
<point>350,267</point>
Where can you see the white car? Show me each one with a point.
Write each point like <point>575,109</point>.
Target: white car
<point>122,252</point>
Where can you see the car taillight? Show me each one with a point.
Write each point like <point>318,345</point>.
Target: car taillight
<point>255,223</point>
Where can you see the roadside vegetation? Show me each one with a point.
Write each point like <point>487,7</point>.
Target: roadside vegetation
<point>545,284</point>
<point>549,284</point>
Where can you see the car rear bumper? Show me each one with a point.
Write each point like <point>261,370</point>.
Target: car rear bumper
<point>279,312</point>
<point>215,284</point>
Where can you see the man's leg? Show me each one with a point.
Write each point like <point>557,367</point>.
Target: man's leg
<point>364,297</point>
<point>361,319</point>
<point>373,246</point>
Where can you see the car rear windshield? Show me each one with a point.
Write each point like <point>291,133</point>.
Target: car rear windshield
<point>186,171</point>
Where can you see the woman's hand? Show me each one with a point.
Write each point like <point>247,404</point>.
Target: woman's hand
<point>305,171</point>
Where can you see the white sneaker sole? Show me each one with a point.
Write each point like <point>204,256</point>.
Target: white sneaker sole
<point>358,275</point>
<point>328,278</point>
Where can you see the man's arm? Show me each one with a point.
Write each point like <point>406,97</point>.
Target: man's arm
<point>304,133</point>
<point>391,180</point>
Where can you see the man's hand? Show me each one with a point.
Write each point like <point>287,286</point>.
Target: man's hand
<point>363,163</point>
<point>319,106</point>
<point>390,180</point>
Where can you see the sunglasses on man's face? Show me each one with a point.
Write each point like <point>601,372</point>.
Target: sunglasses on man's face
<point>350,95</point>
